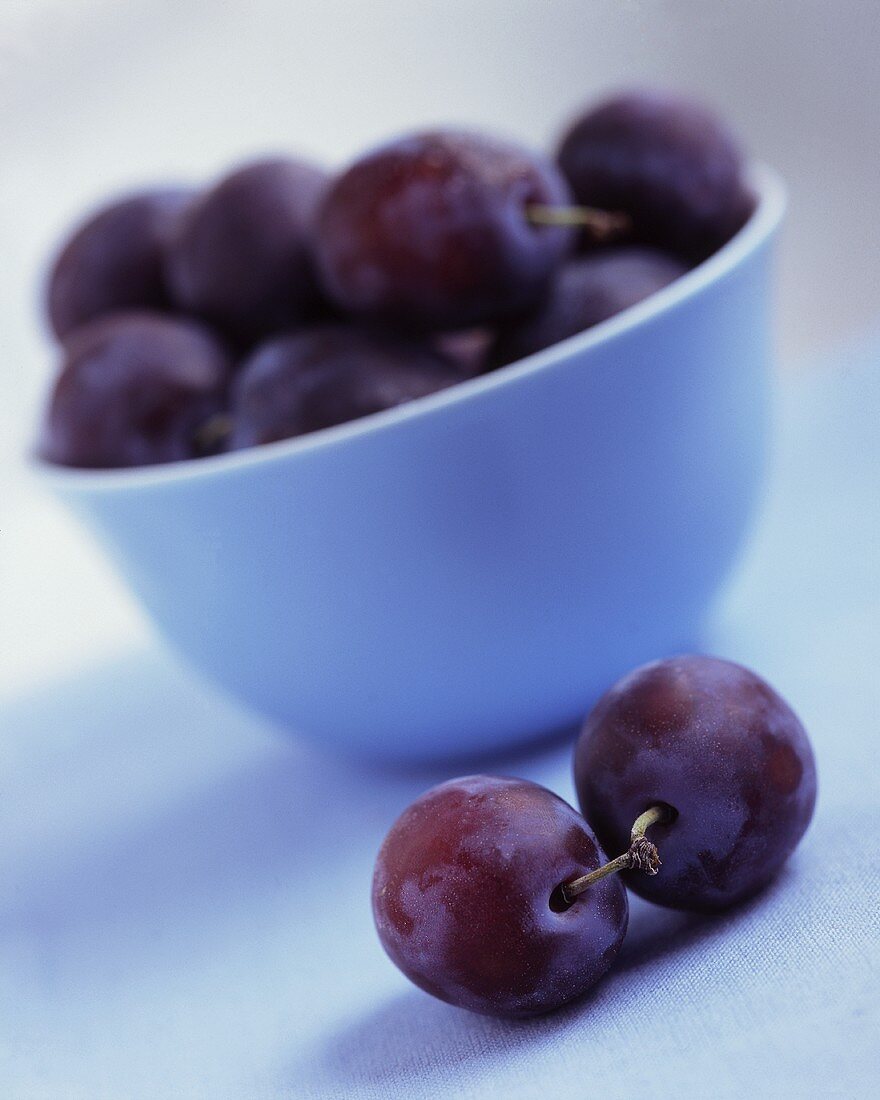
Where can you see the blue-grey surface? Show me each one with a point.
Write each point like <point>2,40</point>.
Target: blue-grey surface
<point>184,893</point>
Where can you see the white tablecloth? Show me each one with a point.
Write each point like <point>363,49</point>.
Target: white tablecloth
<point>171,922</point>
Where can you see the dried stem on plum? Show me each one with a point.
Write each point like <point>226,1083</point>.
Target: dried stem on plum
<point>214,431</point>
<point>601,224</point>
<point>641,855</point>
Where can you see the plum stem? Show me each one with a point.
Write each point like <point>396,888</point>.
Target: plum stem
<point>213,431</point>
<point>601,223</point>
<point>641,855</point>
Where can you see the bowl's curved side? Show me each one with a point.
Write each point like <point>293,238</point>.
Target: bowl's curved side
<point>478,575</point>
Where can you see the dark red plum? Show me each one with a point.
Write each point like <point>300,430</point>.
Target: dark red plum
<point>671,164</point>
<point>134,390</point>
<point>432,231</point>
<point>242,256</point>
<point>462,897</point>
<point>588,290</point>
<point>114,261</point>
<point>717,744</point>
<point>329,375</point>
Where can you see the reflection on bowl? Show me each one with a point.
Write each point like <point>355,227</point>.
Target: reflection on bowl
<point>470,570</point>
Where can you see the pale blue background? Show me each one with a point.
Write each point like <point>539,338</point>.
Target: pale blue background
<point>184,893</point>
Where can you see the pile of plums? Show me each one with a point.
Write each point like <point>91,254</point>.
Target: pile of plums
<point>281,299</point>
<point>494,894</point>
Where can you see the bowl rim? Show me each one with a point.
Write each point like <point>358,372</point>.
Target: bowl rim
<point>770,192</point>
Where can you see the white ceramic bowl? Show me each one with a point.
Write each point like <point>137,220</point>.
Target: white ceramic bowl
<point>472,569</point>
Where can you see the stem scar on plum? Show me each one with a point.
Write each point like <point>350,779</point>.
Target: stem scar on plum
<point>642,855</point>
<point>214,431</point>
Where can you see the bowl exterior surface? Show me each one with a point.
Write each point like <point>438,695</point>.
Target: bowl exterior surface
<point>477,573</point>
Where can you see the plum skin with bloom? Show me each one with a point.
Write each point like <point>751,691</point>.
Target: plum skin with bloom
<point>587,291</point>
<point>329,375</point>
<point>431,231</point>
<point>114,260</point>
<point>134,390</point>
<point>666,161</point>
<point>241,255</point>
<point>462,898</point>
<point>722,748</point>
